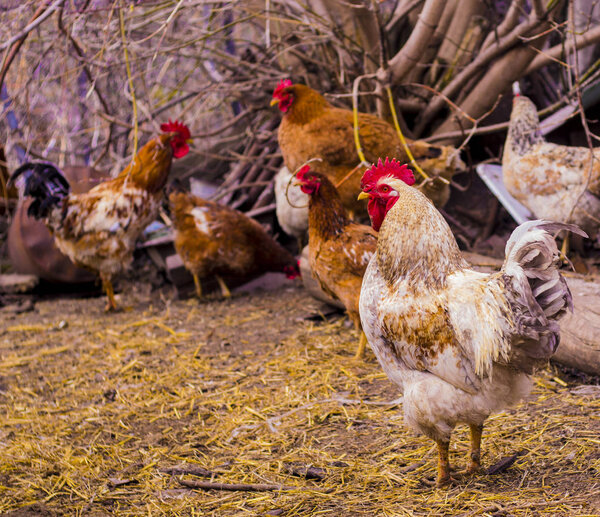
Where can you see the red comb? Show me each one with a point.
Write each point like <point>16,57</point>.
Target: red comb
<point>284,83</point>
<point>178,127</point>
<point>302,172</point>
<point>387,168</point>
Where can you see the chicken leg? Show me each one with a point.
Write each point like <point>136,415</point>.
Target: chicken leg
<point>224,289</point>
<point>443,478</point>
<point>475,463</point>
<point>360,352</point>
<point>198,285</point>
<point>111,304</point>
<point>355,318</point>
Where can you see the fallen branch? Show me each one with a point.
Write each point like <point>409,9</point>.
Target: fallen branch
<point>192,471</point>
<point>244,487</point>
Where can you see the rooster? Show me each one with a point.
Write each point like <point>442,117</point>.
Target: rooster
<point>339,249</point>
<point>459,343</point>
<point>213,239</point>
<point>98,229</point>
<point>313,128</point>
<point>550,179</point>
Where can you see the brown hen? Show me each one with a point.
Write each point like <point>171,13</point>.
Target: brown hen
<point>213,239</point>
<point>339,249</point>
<point>312,128</point>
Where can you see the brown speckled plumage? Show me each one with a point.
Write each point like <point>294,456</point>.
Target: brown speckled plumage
<point>547,178</point>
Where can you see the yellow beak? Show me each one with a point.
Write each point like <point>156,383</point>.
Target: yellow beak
<point>274,101</point>
<point>363,195</point>
<point>189,141</point>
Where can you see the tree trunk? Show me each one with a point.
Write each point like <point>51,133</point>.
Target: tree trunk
<point>580,332</point>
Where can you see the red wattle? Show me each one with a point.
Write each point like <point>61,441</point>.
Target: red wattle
<point>378,208</point>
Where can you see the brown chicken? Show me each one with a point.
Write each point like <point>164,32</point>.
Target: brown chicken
<point>313,128</point>
<point>339,249</point>
<point>98,229</point>
<point>460,344</point>
<point>213,239</point>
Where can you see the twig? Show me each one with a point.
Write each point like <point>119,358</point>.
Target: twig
<point>403,140</point>
<point>13,51</point>
<point>193,471</point>
<point>355,85</point>
<point>39,19</point>
<point>130,80</point>
<point>262,210</point>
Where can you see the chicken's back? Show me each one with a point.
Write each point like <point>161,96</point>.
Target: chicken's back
<point>99,229</point>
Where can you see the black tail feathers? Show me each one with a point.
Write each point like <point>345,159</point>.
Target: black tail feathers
<point>44,183</point>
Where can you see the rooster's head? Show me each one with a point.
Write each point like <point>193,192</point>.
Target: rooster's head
<point>282,95</point>
<point>378,185</point>
<point>181,137</point>
<point>309,182</point>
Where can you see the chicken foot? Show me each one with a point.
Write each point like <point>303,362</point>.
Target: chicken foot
<point>444,478</point>
<point>475,457</point>
<point>111,304</point>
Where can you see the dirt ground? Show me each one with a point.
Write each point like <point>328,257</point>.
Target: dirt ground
<point>117,413</point>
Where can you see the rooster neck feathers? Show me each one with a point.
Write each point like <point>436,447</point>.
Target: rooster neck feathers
<point>307,104</point>
<point>406,251</point>
<point>326,214</point>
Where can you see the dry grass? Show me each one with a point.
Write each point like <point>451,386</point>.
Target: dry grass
<point>97,408</point>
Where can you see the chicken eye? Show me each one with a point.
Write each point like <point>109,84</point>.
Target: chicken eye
<point>385,188</point>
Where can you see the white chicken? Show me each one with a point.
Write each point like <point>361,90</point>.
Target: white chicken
<point>291,206</point>
<point>459,343</point>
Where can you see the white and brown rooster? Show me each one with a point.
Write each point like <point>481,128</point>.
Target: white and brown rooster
<point>98,229</point>
<point>460,344</point>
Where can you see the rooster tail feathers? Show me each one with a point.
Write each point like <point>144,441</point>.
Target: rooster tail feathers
<point>44,183</point>
<point>538,294</point>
